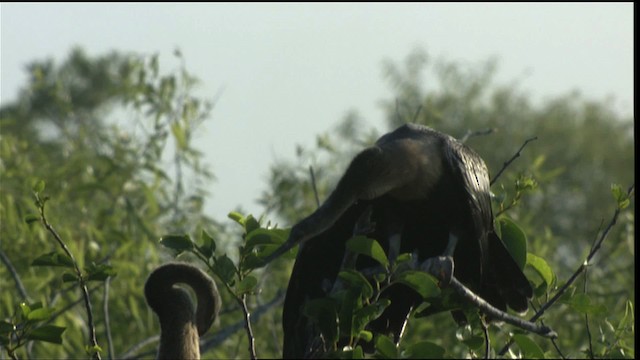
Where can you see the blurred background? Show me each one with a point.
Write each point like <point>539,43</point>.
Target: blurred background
<point>282,73</point>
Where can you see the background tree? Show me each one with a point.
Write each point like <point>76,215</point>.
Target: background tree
<point>111,138</point>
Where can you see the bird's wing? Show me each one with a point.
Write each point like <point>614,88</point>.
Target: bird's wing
<point>472,173</point>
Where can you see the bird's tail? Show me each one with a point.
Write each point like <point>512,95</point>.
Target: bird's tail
<point>511,283</point>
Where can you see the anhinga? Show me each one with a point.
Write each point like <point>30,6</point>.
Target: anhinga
<point>425,185</point>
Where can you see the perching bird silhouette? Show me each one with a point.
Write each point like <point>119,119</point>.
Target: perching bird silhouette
<point>424,186</point>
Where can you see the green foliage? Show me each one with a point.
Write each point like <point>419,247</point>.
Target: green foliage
<point>514,239</point>
<point>369,247</point>
<point>551,201</point>
<point>28,323</point>
<point>92,136</point>
<point>95,130</point>
<point>239,279</point>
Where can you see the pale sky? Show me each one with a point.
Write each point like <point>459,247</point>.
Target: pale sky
<point>288,72</point>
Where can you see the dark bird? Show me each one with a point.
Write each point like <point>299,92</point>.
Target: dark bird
<point>425,186</point>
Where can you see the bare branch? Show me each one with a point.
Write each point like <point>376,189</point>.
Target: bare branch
<point>471,134</point>
<point>81,281</point>
<point>487,341</point>
<point>247,324</point>
<point>14,274</point>
<point>580,270</point>
<point>435,265</point>
<point>487,308</point>
<point>221,336</point>
<point>313,185</point>
<point>515,156</point>
<point>105,311</point>
<point>415,116</point>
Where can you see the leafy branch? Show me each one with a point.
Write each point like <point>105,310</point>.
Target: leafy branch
<point>237,279</point>
<point>622,199</point>
<point>94,349</point>
<point>512,159</point>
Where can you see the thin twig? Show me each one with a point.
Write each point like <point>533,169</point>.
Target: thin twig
<point>487,341</point>
<point>498,314</point>
<point>471,134</point>
<point>60,311</point>
<point>313,185</point>
<point>586,316</point>
<point>415,116</point>
<point>247,320</point>
<point>107,324</point>
<point>221,336</point>
<point>14,274</point>
<point>81,280</point>
<point>508,162</point>
<point>580,270</point>
<point>555,345</point>
<point>434,266</point>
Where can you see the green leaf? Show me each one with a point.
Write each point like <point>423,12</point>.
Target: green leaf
<point>582,303</point>
<point>474,342</point>
<point>367,314</point>
<point>264,236</point>
<point>31,218</point>
<point>180,135</point>
<point>515,240</point>
<point>620,195</point>
<point>357,281</point>
<point>41,314</point>
<point>225,269</point>
<point>6,328</point>
<point>542,268</point>
<point>53,259</point>
<point>208,246</point>
<point>424,350</point>
<point>627,319</point>
<point>251,224</point>
<point>69,277</point>
<point>266,250</point>
<point>25,309</point>
<point>524,183</point>
<point>365,335</point>
<point>92,350</point>
<point>349,301</point>
<point>179,243</point>
<point>530,350</point>
<point>237,217</point>
<point>252,261</point>
<point>370,247</point>
<point>404,257</point>
<point>423,283</point>
<point>38,187</point>
<point>358,353</point>
<point>99,272</point>
<point>386,348</point>
<point>247,285</point>
<point>47,333</point>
